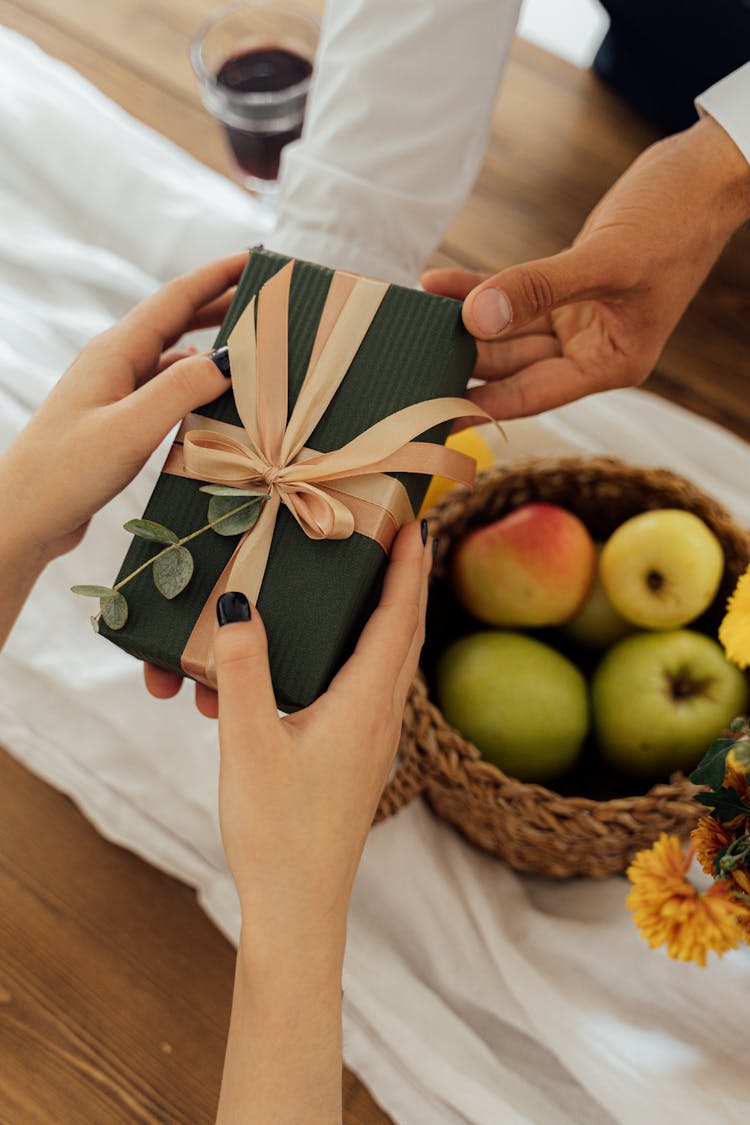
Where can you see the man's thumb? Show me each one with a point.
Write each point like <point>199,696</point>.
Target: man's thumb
<point>521,294</point>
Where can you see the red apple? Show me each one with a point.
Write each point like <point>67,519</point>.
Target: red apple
<point>532,567</point>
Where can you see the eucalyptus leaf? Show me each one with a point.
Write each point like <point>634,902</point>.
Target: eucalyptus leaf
<point>95,623</point>
<point>114,611</point>
<point>94,591</point>
<point>148,529</point>
<point>227,490</point>
<point>172,571</point>
<point>235,518</point>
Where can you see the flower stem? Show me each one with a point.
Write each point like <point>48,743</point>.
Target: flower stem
<point>186,539</point>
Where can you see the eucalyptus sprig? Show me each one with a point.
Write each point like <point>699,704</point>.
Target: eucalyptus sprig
<point>173,566</point>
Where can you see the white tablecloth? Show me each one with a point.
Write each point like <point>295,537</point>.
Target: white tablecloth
<point>472,995</point>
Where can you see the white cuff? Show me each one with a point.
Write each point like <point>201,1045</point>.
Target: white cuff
<point>728,102</point>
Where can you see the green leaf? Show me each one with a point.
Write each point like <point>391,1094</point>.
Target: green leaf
<point>114,611</point>
<point>227,490</point>
<point>710,769</point>
<point>235,518</point>
<point>738,723</point>
<point>725,804</point>
<point>172,571</point>
<point>147,529</point>
<point>94,591</point>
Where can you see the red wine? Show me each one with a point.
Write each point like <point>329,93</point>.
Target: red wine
<point>264,70</point>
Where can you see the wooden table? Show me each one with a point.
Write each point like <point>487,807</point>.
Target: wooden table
<point>114,987</point>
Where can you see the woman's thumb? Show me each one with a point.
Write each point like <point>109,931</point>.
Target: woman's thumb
<point>521,294</point>
<point>246,699</point>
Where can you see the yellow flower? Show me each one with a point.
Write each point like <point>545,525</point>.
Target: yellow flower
<point>668,909</point>
<point>734,631</point>
<point>709,836</point>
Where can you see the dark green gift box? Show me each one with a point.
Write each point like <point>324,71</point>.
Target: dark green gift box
<point>316,594</point>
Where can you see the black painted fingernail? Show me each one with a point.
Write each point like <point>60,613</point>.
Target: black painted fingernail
<point>232,607</point>
<point>221,358</point>
<point>435,545</point>
<point>424,530</point>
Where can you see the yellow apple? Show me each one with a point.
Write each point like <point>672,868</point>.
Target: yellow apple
<point>533,567</point>
<point>468,441</point>
<point>662,569</point>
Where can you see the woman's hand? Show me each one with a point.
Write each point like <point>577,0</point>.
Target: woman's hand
<point>296,801</point>
<point>113,406</point>
<point>597,316</point>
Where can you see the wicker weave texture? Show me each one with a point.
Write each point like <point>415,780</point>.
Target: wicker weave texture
<point>529,826</point>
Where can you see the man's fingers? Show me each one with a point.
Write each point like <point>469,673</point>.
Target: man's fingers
<point>160,683</point>
<point>519,295</point>
<point>542,386</point>
<point>149,413</point>
<point>247,707</point>
<point>498,358</point>
<point>452,282</point>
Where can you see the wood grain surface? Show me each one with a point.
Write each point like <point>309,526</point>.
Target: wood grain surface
<point>114,987</point>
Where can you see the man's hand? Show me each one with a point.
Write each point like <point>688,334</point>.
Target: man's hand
<point>597,316</point>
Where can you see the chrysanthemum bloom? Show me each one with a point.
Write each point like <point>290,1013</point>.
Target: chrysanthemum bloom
<point>734,631</point>
<point>669,910</point>
<point>708,837</point>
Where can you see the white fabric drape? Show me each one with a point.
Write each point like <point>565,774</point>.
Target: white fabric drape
<point>472,995</point>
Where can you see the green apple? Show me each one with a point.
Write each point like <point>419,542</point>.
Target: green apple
<point>597,624</point>
<point>523,705</point>
<point>662,569</point>
<point>533,567</point>
<point>660,699</point>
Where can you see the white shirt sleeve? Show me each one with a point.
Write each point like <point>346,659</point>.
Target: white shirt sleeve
<point>728,102</point>
<point>395,132</point>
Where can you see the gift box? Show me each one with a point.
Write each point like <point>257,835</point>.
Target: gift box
<point>355,353</point>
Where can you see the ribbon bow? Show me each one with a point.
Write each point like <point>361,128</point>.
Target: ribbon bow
<point>319,489</point>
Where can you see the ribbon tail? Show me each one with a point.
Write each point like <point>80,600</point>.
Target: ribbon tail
<point>197,658</point>
<point>249,565</point>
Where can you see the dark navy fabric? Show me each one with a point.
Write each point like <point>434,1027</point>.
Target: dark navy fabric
<point>661,54</point>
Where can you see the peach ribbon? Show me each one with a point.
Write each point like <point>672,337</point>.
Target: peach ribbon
<point>330,495</point>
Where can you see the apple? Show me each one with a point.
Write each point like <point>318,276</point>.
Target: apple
<point>533,567</point>
<point>662,569</point>
<point>597,624</point>
<point>469,441</point>
<point>523,705</point>
<point>660,699</point>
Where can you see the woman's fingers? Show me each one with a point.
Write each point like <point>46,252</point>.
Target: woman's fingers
<point>146,416</point>
<point>160,683</point>
<point>139,338</point>
<point>174,355</point>
<point>247,711</point>
<point>206,701</point>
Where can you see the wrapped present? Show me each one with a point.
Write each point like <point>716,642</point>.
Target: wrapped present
<point>333,376</point>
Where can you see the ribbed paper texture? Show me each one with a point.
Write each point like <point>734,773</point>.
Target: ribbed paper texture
<point>315,595</point>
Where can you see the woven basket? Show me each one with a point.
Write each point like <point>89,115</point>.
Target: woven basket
<point>529,826</point>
